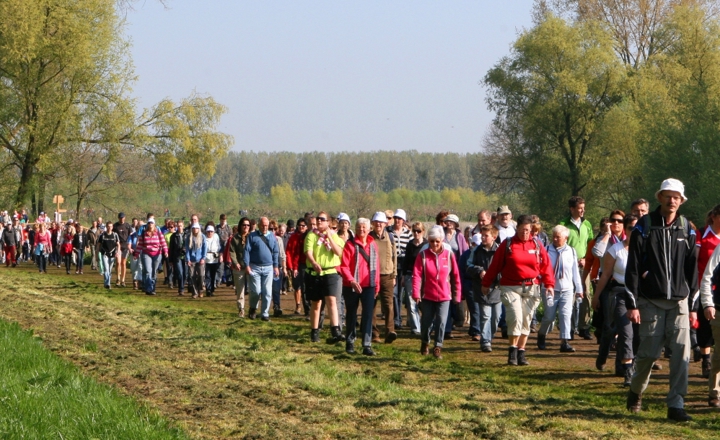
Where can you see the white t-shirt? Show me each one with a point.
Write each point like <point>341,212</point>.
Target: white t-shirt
<point>620,254</point>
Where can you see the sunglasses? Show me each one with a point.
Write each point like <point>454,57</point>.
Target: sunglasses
<point>417,231</point>
<point>302,226</point>
<point>616,220</point>
<point>321,219</point>
<point>245,225</point>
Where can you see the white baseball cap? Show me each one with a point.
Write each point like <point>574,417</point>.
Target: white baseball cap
<point>380,217</point>
<point>477,239</point>
<point>400,213</point>
<point>195,226</point>
<point>210,228</point>
<point>342,216</point>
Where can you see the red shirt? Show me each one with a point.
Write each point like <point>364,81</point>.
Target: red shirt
<point>522,264</point>
<point>707,244</point>
<point>349,259</point>
<point>294,252</point>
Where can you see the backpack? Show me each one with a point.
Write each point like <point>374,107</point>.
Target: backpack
<point>647,226</point>
<point>508,249</point>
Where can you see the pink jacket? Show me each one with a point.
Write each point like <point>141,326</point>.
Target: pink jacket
<point>439,279</point>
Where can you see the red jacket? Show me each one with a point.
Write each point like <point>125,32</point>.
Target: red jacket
<point>349,259</point>
<point>294,252</point>
<point>438,279</point>
<point>522,264</point>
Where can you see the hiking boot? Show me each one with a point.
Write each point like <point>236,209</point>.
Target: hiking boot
<point>634,402</point>
<point>314,335</point>
<point>586,335</point>
<point>367,351</point>
<point>486,348</point>
<point>437,352</point>
<point>252,314</point>
<point>600,364</point>
<point>424,350</point>
<point>706,367</point>
<point>628,374</point>
<point>390,337</point>
<point>678,415</point>
<point>541,342</point>
<point>350,347</point>
<point>521,359</point>
<point>336,335</point>
<point>566,348</point>
<point>277,313</point>
<point>512,356</point>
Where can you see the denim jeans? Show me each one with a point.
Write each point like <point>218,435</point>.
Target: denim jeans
<point>563,307</point>
<point>489,320</point>
<point>149,271</point>
<point>42,261</point>
<point>397,300</point>
<point>179,275</point>
<point>136,269</point>
<point>413,312</point>
<point>352,300</point>
<point>474,309</point>
<point>80,259</point>
<point>261,288</point>
<point>107,266</point>
<point>434,315</point>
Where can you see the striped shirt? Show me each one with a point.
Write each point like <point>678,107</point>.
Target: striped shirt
<point>401,239</point>
<point>151,245</point>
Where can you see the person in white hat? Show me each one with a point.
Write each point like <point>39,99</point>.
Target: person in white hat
<point>195,255</point>
<point>402,235</point>
<point>661,267</point>
<point>343,230</point>
<point>387,254</point>
<point>213,259</point>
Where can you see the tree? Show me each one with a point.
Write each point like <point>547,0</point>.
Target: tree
<point>550,95</point>
<point>65,75</point>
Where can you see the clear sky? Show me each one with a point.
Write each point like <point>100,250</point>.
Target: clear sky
<point>330,75</point>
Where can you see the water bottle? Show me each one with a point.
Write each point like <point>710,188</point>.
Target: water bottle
<point>550,300</point>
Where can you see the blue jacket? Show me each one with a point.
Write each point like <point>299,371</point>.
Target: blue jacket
<point>257,253</point>
<point>195,255</point>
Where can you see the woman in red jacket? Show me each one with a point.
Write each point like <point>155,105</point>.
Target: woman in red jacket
<point>360,272</point>
<point>436,281</point>
<point>523,264</point>
<point>295,261</point>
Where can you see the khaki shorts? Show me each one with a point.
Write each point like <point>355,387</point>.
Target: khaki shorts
<point>519,307</point>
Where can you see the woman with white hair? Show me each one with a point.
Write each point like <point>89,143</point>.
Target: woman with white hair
<point>195,254</point>
<point>568,284</point>
<point>523,264</point>
<point>436,281</point>
<point>360,272</point>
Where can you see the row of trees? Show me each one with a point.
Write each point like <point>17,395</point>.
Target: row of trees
<point>605,99</point>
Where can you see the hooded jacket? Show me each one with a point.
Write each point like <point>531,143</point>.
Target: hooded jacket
<point>662,262</point>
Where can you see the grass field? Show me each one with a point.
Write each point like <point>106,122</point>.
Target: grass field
<point>216,376</point>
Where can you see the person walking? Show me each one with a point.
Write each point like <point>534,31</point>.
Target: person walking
<point>237,257</point>
<point>660,276</point>
<point>296,264</point>
<point>80,241</point>
<point>411,252</point>
<point>151,247</point>
<point>66,245</point>
<point>108,251</point>
<point>123,230</point>
<point>490,304</point>
<point>436,282</point>
<point>176,257</point>
<point>388,274</point>
<point>261,264</point>
<point>195,254</point>
<point>213,259</point>
<point>43,246</point>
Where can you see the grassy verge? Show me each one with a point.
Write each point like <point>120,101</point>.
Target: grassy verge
<point>219,377</point>
<point>45,397</point>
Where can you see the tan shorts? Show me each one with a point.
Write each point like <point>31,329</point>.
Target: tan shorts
<point>519,307</point>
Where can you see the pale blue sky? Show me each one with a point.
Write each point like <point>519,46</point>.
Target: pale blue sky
<point>330,75</point>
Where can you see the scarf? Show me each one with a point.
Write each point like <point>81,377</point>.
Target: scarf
<point>559,269</point>
<point>323,239</point>
<point>372,262</point>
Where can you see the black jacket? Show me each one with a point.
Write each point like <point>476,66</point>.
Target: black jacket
<point>80,240</point>
<point>8,237</point>
<point>176,248</point>
<point>480,261</point>
<point>662,262</point>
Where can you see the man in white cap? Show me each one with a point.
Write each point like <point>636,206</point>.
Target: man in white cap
<point>388,274</point>
<point>660,279</point>
<point>402,235</point>
<point>505,223</point>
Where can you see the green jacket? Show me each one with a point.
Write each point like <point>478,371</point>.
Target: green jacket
<point>578,238</point>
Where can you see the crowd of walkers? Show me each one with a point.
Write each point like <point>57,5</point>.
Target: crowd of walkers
<point>645,281</point>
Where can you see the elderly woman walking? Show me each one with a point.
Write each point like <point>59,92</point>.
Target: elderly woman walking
<point>523,264</point>
<point>436,281</point>
<point>568,285</point>
<point>360,272</point>
<point>151,247</point>
<point>195,254</point>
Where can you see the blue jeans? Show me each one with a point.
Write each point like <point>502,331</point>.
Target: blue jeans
<point>434,315</point>
<point>413,313</point>
<point>42,261</point>
<point>352,300</point>
<point>80,262</point>
<point>489,320</point>
<point>149,271</point>
<point>474,309</point>
<point>260,285</point>
<point>276,287</point>
<point>397,300</point>
<point>179,275</point>
<point>563,306</point>
<point>107,262</point>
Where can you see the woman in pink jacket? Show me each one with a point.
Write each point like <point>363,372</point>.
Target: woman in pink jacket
<point>436,281</point>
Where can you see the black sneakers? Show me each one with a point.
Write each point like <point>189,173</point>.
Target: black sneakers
<point>314,335</point>
<point>512,356</point>
<point>629,370</point>
<point>566,348</point>
<point>678,415</point>
<point>541,342</point>
<point>521,359</point>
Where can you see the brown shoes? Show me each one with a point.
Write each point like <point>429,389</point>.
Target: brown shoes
<point>437,352</point>
<point>424,350</point>
<point>634,402</point>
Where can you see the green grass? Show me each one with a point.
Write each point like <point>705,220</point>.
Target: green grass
<point>45,397</point>
<point>216,376</point>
